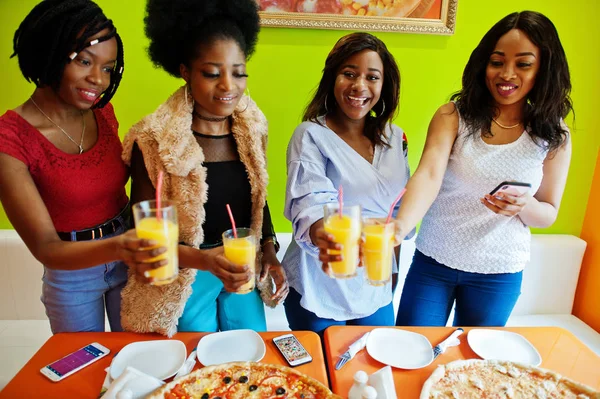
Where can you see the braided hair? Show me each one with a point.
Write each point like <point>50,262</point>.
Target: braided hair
<point>177,29</point>
<point>54,32</point>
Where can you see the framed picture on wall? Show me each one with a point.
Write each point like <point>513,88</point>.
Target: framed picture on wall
<point>412,16</point>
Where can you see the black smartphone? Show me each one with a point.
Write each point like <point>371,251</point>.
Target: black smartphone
<point>512,187</point>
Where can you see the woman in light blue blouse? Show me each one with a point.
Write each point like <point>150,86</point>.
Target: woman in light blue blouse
<point>346,139</point>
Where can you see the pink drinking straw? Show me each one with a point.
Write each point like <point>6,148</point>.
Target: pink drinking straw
<point>389,216</point>
<point>159,183</point>
<point>340,200</point>
<point>232,221</point>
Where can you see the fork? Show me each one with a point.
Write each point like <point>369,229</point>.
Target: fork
<point>441,347</point>
<point>352,350</point>
<point>343,360</point>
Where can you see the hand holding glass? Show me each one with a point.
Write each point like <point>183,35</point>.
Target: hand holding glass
<point>161,226</point>
<point>241,251</point>
<point>345,229</point>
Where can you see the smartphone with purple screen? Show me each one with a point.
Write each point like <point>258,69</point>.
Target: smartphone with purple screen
<point>75,361</point>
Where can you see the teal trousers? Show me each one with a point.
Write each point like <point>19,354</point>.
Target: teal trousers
<point>210,308</point>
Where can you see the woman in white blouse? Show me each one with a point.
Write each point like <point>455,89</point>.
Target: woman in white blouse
<point>506,124</point>
<point>346,139</point>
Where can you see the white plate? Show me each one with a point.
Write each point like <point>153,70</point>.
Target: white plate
<point>230,346</point>
<point>503,345</point>
<point>161,359</point>
<point>399,348</point>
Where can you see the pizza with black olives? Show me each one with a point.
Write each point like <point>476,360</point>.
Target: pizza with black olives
<point>244,380</point>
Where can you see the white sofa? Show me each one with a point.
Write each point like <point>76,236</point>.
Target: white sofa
<point>549,284</point>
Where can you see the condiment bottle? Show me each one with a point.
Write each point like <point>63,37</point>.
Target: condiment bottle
<point>360,382</point>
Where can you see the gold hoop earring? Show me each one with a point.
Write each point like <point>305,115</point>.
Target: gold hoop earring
<point>326,109</point>
<point>374,115</point>
<point>186,96</point>
<point>247,99</point>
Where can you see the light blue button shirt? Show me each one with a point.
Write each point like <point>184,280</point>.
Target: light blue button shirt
<point>318,161</point>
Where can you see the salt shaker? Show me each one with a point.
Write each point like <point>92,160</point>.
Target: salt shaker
<point>360,382</point>
<point>369,393</point>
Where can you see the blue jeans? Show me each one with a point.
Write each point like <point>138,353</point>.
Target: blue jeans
<point>431,288</point>
<point>210,308</point>
<point>303,319</point>
<point>75,299</point>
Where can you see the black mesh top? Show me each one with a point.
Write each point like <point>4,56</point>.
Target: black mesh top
<point>228,183</point>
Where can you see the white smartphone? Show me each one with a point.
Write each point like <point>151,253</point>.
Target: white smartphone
<point>292,350</point>
<point>75,361</point>
<point>512,187</point>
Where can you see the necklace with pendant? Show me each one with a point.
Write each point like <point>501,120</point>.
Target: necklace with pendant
<point>80,145</point>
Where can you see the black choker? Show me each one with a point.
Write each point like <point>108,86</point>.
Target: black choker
<point>209,119</point>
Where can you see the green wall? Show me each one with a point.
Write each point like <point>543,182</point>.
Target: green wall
<point>287,66</point>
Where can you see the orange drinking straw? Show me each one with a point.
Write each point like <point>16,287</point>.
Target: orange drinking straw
<point>159,183</point>
<point>389,216</point>
<point>340,200</point>
<point>232,221</point>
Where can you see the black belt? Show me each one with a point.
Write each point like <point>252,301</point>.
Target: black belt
<point>102,230</point>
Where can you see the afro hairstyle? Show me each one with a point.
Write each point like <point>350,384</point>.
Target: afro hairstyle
<point>178,29</point>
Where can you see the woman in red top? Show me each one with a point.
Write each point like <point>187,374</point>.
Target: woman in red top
<point>62,181</point>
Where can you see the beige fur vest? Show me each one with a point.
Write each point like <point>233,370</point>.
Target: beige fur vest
<point>167,143</point>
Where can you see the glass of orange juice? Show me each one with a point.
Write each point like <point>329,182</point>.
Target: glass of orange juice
<point>159,225</point>
<point>377,250</point>
<point>345,229</point>
<point>241,251</point>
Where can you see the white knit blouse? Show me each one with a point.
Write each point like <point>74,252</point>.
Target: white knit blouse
<point>458,230</point>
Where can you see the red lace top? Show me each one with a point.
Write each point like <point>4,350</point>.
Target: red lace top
<point>81,190</point>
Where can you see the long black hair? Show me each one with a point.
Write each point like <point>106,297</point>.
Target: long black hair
<point>549,100</point>
<point>55,30</point>
<point>178,29</point>
<point>386,107</point>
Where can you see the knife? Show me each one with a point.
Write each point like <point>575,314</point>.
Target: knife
<point>353,349</point>
<point>441,347</point>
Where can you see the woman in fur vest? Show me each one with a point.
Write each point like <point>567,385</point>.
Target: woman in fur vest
<point>209,139</point>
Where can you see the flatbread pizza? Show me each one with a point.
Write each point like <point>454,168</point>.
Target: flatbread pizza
<point>494,379</point>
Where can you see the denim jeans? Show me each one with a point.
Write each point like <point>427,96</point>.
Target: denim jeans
<point>210,308</point>
<point>303,319</point>
<point>431,288</point>
<point>75,299</point>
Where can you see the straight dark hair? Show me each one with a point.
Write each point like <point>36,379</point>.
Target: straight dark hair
<point>549,100</point>
<point>385,109</point>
